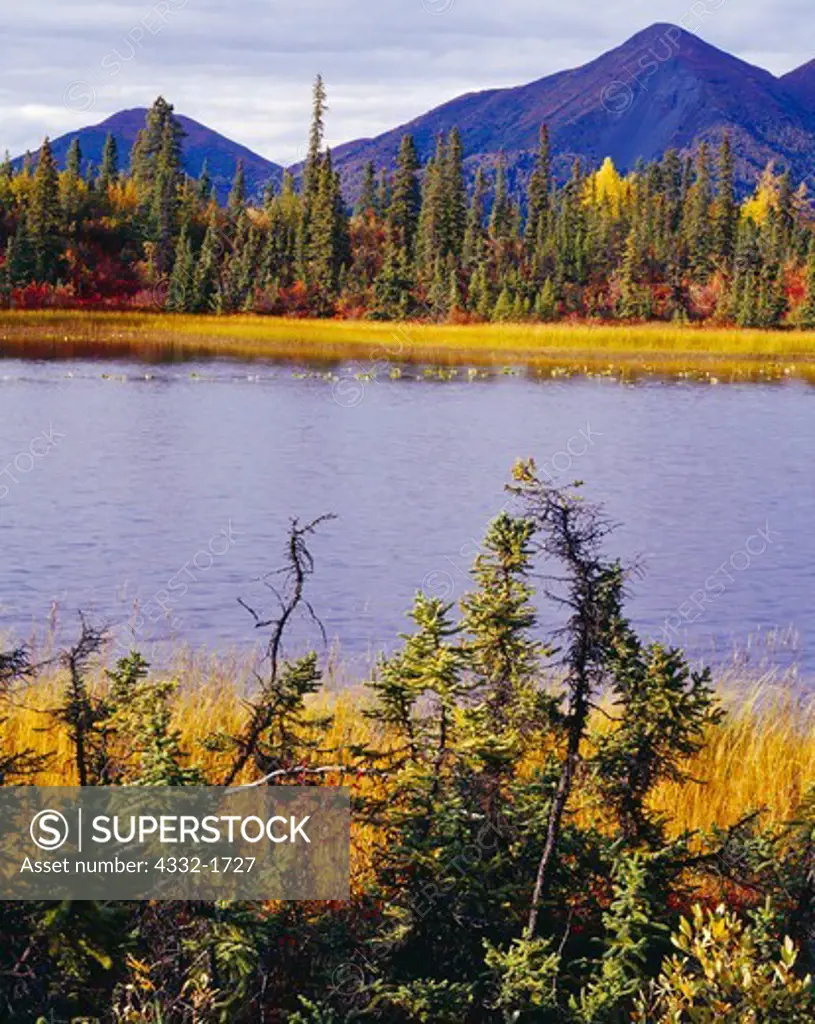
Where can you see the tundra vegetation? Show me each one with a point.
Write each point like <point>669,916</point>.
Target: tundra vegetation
<point>553,820</point>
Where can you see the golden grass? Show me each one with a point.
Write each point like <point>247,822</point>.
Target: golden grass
<point>762,756</point>
<point>611,349</point>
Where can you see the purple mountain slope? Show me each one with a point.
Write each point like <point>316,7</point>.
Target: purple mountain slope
<point>664,88</point>
<point>801,83</point>
<point>200,144</point>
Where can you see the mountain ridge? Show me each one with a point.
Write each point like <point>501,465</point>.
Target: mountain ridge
<point>199,144</point>
<point>663,88</point>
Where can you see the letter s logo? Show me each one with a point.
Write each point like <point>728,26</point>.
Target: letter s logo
<point>49,830</point>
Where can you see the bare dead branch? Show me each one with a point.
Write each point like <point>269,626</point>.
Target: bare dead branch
<point>299,565</point>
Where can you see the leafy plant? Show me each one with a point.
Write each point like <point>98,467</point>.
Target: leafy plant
<point>721,975</point>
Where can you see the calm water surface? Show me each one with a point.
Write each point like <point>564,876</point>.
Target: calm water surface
<point>173,485</point>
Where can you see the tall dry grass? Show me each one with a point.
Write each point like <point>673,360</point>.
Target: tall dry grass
<point>761,756</point>
<point>558,348</point>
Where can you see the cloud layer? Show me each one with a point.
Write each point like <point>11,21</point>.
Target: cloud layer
<point>246,68</point>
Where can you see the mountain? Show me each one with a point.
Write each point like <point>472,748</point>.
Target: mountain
<point>201,143</point>
<point>664,88</point>
<point>801,83</point>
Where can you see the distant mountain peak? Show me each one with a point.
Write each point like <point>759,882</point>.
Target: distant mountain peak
<point>125,117</point>
<point>664,42</point>
<point>199,144</point>
<point>659,30</point>
<point>663,88</point>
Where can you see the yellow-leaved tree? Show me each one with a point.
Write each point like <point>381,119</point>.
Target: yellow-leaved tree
<point>607,187</point>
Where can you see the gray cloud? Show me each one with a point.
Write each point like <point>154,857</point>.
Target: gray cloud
<point>246,68</point>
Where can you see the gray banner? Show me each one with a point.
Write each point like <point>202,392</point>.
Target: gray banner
<point>208,843</point>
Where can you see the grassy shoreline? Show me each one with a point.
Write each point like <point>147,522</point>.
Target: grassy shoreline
<point>560,348</point>
<point>761,756</point>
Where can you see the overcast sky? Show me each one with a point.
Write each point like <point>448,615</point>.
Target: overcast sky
<point>245,67</point>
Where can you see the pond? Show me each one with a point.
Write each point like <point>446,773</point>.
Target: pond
<point>153,496</point>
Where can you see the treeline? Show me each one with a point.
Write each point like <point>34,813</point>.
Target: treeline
<point>513,860</point>
<point>669,241</point>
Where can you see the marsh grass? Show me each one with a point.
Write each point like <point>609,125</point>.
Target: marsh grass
<point>555,349</point>
<point>761,756</point>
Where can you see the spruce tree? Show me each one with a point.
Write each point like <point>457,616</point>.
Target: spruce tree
<point>538,195</point>
<point>6,278</point>
<point>311,170</point>
<point>479,298</point>
<point>269,193</point>
<point>164,206</point>
<point>180,294</point>
<point>230,292</point>
<point>430,242</point>
<point>367,202</point>
<point>697,218</point>
<point>455,196</point>
<point>546,302</point>
<point>280,256</point>
<point>726,211</point>
<point>403,214</point>
<point>499,618</point>
<point>236,203</point>
<point>152,140</point>
<point>501,216</point>
<point>206,273</point>
<point>631,302</point>
<point>806,314</point>
<point>71,189</point>
<point>109,168</point>
<point>189,207</point>
<point>244,268</point>
<point>672,184</point>
<point>204,183</point>
<point>73,159</point>
<point>454,301</point>
<point>520,307</point>
<point>313,240</point>
<point>438,294</point>
<point>20,262</point>
<point>45,216</point>
<point>392,285</point>
<point>747,313</point>
<point>786,214</point>
<point>475,237</point>
<point>502,310</point>
<point>383,194</point>
<point>327,249</point>
<point>417,691</point>
<point>772,299</point>
<point>156,168</point>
